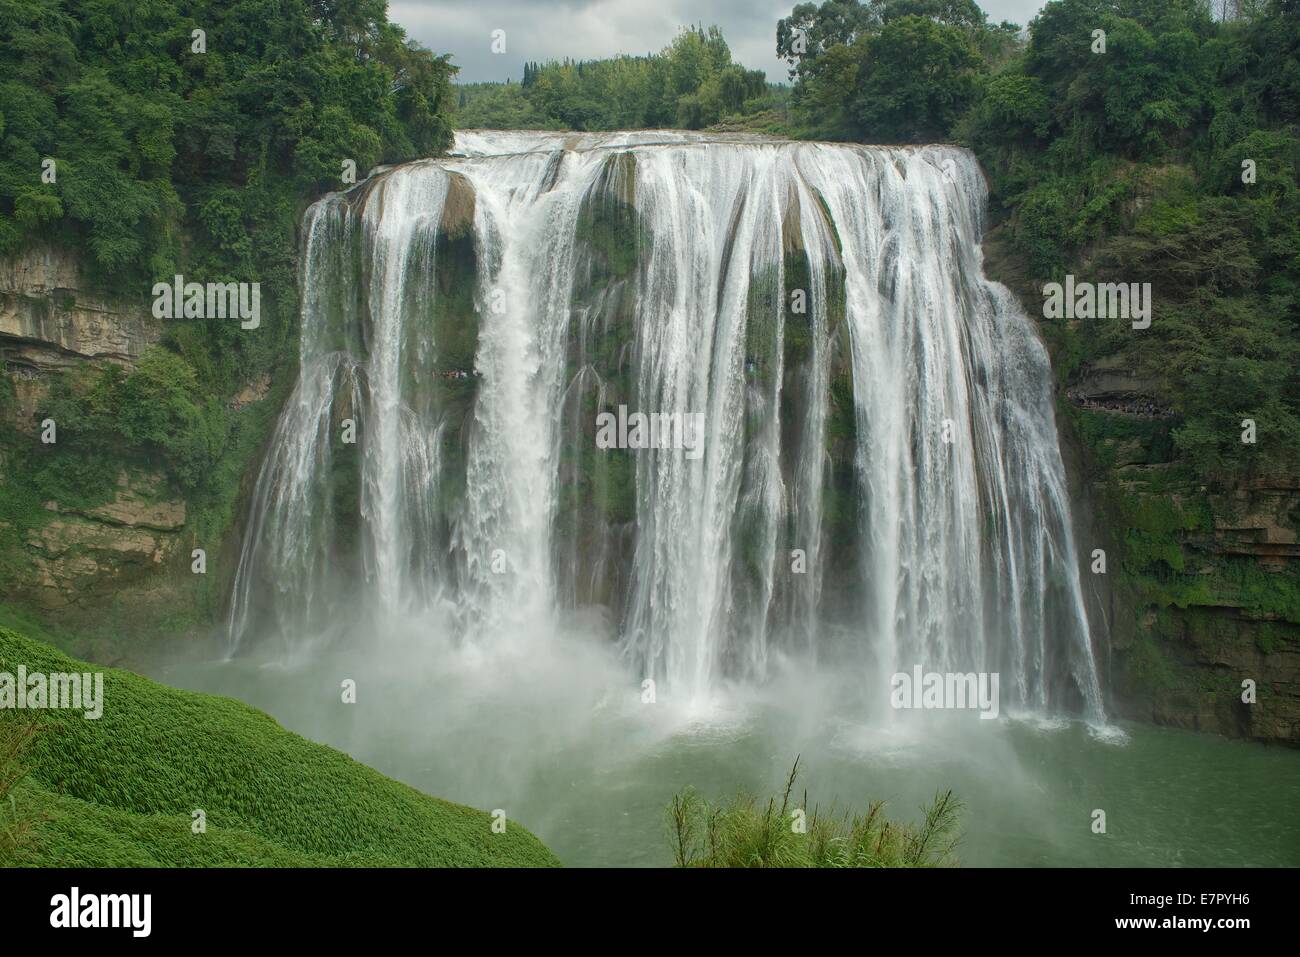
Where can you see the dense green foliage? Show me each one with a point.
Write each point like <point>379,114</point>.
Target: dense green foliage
<point>154,141</point>
<point>746,832</point>
<point>121,790</point>
<point>691,84</point>
<point>889,70</point>
<point>1128,166</point>
<point>176,153</point>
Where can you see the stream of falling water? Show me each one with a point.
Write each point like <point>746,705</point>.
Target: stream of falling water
<point>880,483</point>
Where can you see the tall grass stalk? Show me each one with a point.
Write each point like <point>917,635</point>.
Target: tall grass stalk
<point>748,832</point>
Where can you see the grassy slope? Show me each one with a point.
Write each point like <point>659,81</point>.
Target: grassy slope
<point>120,791</point>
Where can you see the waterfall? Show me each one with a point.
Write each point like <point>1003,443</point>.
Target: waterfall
<point>876,482</point>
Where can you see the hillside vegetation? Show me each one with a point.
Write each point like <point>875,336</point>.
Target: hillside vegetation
<point>121,791</point>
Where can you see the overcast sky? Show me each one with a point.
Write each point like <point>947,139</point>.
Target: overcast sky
<point>590,29</point>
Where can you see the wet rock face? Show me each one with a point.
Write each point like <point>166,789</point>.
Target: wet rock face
<point>1204,595</point>
<point>1198,680</point>
<point>50,322</point>
<point>1189,667</point>
<point>1260,521</point>
<point>1230,634</point>
<point>83,556</point>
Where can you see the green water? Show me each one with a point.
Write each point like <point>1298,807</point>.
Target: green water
<point>564,746</point>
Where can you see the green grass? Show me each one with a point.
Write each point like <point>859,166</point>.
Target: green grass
<point>120,791</point>
<point>746,832</point>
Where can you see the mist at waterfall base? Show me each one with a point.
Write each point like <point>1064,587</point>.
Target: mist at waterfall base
<point>500,609</point>
<point>555,733</point>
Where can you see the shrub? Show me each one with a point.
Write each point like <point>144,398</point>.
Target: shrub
<point>746,832</point>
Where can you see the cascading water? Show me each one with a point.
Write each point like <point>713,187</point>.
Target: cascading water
<point>878,481</point>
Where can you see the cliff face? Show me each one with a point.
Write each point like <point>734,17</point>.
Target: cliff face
<point>50,322</point>
<point>71,560</point>
<point>1205,600</point>
<point>1199,602</point>
<point>80,559</point>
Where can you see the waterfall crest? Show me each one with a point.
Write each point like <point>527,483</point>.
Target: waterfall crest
<point>878,481</point>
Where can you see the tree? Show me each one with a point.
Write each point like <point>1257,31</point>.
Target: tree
<point>918,77</point>
<point>888,69</point>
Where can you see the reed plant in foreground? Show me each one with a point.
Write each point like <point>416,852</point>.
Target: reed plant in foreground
<point>748,832</point>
